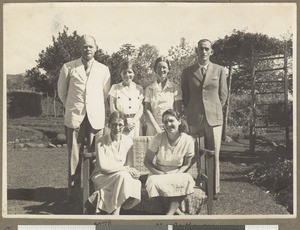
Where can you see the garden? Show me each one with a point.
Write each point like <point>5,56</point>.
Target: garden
<point>252,183</point>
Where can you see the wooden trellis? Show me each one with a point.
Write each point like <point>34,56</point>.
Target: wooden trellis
<point>262,85</point>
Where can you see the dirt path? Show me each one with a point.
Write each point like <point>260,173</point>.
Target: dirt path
<point>37,183</point>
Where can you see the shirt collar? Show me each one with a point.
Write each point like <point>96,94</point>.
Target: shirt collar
<point>203,66</point>
<point>168,84</point>
<point>132,85</point>
<point>87,63</point>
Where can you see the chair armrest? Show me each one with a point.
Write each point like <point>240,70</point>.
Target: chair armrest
<point>209,153</point>
<point>88,155</point>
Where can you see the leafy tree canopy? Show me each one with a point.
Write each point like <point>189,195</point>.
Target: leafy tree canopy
<point>237,48</point>
<point>236,51</point>
<point>232,50</point>
<point>181,56</point>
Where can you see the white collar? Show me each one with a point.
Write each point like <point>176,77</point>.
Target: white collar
<point>88,63</point>
<point>204,66</point>
<point>167,85</point>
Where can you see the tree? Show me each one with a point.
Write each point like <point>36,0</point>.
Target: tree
<point>40,81</point>
<point>127,51</point>
<point>147,55</point>
<point>235,52</point>
<point>181,56</point>
<point>17,82</point>
<point>143,59</point>
<point>113,63</point>
<point>64,48</point>
<point>144,64</point>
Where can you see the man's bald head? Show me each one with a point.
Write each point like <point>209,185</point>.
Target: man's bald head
<point>88,47</point>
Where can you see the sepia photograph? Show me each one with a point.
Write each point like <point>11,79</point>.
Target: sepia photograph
<point>149,110</point>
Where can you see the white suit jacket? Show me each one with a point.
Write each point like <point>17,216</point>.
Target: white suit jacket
<point>83,95</point>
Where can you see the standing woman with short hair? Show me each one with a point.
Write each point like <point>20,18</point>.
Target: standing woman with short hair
<point>161,95</point>
<point>127,97</point>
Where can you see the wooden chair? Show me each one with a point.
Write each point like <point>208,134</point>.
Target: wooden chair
<point>202,170</point>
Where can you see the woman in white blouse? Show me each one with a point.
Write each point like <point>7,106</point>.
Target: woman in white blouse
<point>127,97</point>
<point>161,95</point>
<point>173,150</point>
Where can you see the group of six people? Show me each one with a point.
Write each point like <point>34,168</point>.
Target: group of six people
<point>84,88</point>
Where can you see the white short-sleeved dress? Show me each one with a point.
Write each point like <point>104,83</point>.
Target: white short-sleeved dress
<point>170,159</point>
<point>128,101</point>
<point>160,100</point>
<point>112,190</point>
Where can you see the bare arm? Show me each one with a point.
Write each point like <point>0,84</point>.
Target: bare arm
<point>148,107</point>
<point>153,121</point>
<point>148,161</point>
<point>150,117</point>
<point>112,104</point>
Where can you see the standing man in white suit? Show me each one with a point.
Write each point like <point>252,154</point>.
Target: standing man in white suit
<point>83,87</point>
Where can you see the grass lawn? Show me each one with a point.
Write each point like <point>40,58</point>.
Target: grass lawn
<point>37,177</point>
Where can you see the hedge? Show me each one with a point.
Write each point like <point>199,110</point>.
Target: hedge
<point>24,103</point>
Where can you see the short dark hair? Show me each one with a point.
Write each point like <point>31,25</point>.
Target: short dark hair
<point>126,64</point>
<point>183,126</point>
<point>161,59</point>
<point>205,40</point>
<point>116,115</point>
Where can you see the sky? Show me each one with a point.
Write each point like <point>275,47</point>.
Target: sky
<point>28,28</point>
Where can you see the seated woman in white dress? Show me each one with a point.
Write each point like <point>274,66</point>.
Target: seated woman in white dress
<point>116,185</point>
<point>173,151</point>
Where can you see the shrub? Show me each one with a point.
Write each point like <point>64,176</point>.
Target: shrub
<point>277,178</point>
<point>239,109</point>
<point>24,103</point>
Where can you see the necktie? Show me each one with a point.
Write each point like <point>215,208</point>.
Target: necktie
<point>203,71</point>
<point>87,69</point>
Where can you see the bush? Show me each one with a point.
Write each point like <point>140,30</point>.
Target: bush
<point>277,178</point>
<point>24,103</point>
<point>239,109</point>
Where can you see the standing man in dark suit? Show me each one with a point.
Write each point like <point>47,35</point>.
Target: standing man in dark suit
<point>83,86</point>
<point>204,92</point>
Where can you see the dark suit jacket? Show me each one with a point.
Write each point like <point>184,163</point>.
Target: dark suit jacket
<point>204,96</point>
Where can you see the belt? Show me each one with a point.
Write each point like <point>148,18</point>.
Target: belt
<point>129,115</point>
